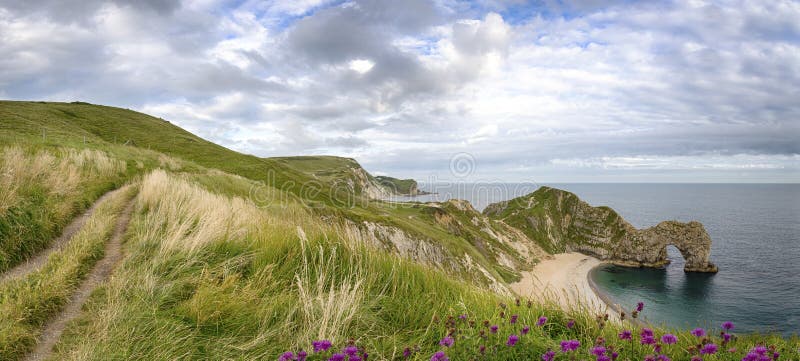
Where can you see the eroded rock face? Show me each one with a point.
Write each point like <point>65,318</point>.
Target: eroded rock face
<point>559,221</point>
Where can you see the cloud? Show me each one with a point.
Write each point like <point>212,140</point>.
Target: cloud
<point>556,90</point>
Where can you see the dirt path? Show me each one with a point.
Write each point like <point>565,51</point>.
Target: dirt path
<point>32,264</point>
<point>113,254</point>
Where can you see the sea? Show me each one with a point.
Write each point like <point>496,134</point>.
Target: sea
<point>755,230</point>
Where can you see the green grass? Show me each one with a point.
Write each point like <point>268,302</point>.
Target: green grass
<point>26,303</point>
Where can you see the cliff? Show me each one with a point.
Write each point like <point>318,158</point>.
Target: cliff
<point>407,187</point>
<point>559,221</point>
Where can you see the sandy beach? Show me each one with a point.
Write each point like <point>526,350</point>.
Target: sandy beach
<point>564,278</point>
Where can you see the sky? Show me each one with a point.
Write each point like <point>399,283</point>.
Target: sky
<point>488,90</point>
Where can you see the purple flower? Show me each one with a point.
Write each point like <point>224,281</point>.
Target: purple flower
<point>640,306</point>
<point>321,345</point>
<point>646,332</point>
<point>699,332</point>
<point>761,350</point>
<point>663,358</point>
<point>570,323</point>
<point>726,337</point>
<point>407,352</point>
<point>439,356</point>
<point>482,349</point>
<point>649,358</point>
<point>513,319</point>
<point>512,340</point>
<point>647,340</point>
<point>542,321</point>
<point>463,316</point>
<point>287,356</point>
<point>708,349</point>
<point>603,358</point>
<point>598,351</point>
<point>657,348</point>
<point>301,356</point>
<point>350,351</point>
<point>337,357</point>
<point>625,335</point>
<point>669,339</point>
<point>727,325</point>
<point>493,329</point>
<point>614,355</point>
<point>570,345</point>
<point>354,358</point>
<point>447,341</point>
<point>549,356</point>
<point>697,358</point>
<point>525,330</point>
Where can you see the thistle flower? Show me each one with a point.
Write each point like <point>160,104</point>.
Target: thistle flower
<point>482,349</point>
<point>727,325</point>
<point>598,351</point>
<point>512,340</point>
<point>570,345</point>
<point>525,330</point>
<point>657,348</point>
<point>548,356</point>
<point>447,341</point>
<point>439,356</point>
<point>513,319</point>
<point>647,340</point>
<point>614,355</point>
<point>639,307</point>
<point>697,358</point>
<point>708,349</point>
<point>350,351</point>
<point>542,321</point>
<point>603,358</point>
<point>354,358</point>
<point>669,339</point>
<point>286,356</point>
<point>301,355</point>
<point>570,324</point>
<point>698,332</point>
<point>649,358</point>
<point>625,335</point>
<point>663,358</point>
<point>321,345</point>
<point>646,332</point>
<point>726,337</point>
<point>493,329</point>
<point>337,357</point>
<point>463,316</point>
<point>406,352</point>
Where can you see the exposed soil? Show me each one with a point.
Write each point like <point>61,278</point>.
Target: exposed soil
<point>102,270</point>
<point>32,264</point>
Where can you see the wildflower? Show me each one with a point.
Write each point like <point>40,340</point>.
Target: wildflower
<point>657,348</point>
<point>649,358</point>
<point>663,358</point>
<point>708,349</point>
<point>646,332</point>
<point>354,358</point>
<point>337,357</point>
<point>598,351</point>
<point>775,355</point>
<point>513,319</point>
<point>548,356</point>
<point>570,324</point>
<point>447,341</point>
<point>406,352</point>
<point>697,358</point>
<point>760,350</point>
<point>699,332</point>
<point>287,356</point>
<point>301,355</point>
<point>512,340</point>
<point>603,358</point>
<point>726,337</point>
<point>614,355</point>
<point>639,307</point>
<point>727,325</point>
<point>669,339</point>
<point>350,351</point>
<point>625,335</point>
<point>493,329</point>
<point>570,345</point>
<point>439,356</point>
<point>482,349</point>
<point>321,345</point>
<point>647,340</point>
<point>542,321</point>
<point>525,330</point>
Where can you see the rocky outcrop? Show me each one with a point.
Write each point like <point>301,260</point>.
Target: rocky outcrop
<point>559,221</point>
<point>404,187</point>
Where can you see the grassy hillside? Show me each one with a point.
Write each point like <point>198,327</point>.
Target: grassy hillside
<point>229,256</point>
<point>399,186</point>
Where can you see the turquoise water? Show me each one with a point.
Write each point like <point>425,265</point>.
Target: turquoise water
<point>755,230</point>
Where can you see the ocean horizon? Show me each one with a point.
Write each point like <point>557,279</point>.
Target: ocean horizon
<point>755,229</point>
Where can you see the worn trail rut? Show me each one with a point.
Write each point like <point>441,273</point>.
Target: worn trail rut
<point>23,269</point>
<point>101,271</point>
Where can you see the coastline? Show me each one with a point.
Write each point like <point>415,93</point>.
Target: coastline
<point>566,279</point>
